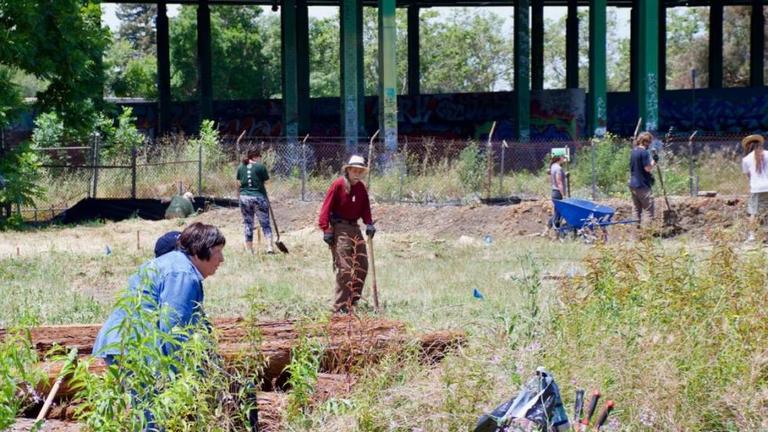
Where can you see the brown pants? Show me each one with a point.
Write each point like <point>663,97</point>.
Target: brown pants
<point>350,261</point>
<point>643,201</point>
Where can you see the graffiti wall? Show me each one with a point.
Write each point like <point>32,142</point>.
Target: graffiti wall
<point>555,114</point>
<point>736,110</point>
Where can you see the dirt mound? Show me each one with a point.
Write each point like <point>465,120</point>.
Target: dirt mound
<point>526,218</point>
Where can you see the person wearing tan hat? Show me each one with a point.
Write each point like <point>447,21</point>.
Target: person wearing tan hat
<point>345,203</point>
<point>641,180</point>
<point>754,166</point>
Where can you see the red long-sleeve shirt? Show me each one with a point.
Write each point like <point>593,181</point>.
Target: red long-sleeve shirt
<point>350,206</point>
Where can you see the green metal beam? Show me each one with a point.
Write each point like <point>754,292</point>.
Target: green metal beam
<point>204,60</point>
<point>522,71</point>
<point>716,44</point>
<point>757,45</point>
<point>662,46</point>
<point>302,64</point>
<point>353,104</point>
<point>598,71</point>
<point>648,63</point>
<point>388,75</point>
<point>572,46</point>
<point>163,70</point>
<point>414,63</point>
<point>290,77</point>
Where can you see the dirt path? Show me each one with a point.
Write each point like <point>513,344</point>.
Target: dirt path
<point>525,219</point>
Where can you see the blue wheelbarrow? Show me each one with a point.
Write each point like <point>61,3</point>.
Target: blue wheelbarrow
<point>585,219</point>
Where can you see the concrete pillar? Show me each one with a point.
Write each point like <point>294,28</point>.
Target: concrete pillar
<point>290,78</point>
<point>648,63</point>
<point>388,76</point>
<point>163,71</point>
<point>757,45</point>
<point>205,82</point>
<point>572,46</point>
<point>414,64</point>
<point>598,71</point>
<point>537,44</point>
<point>353,104</point>
<point>662,46</point>
<point>716,44</point>
<point>302,67</point>
<point>522,71</point>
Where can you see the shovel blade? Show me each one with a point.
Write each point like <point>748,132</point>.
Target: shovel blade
<point>281,247</point>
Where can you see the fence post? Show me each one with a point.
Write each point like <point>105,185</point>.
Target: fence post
<point>691,167</point>
<point>594,171</point>
<point>95,164</point>
<point>200,169</point>
<point>304,170</point>
<point>501,168</point>
<point>133,173</point>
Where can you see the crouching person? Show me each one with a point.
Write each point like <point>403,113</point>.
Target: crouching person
<point>345,203</point>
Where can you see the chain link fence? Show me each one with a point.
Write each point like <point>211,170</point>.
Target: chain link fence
<point>419,170</point>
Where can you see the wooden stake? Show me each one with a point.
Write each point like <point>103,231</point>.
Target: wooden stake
<point>138,239</point>
<point>18,252</point>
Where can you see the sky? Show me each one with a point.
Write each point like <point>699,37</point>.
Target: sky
<point>109,18</point>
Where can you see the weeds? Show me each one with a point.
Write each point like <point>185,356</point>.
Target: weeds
<point>302,379</point>
<point>18,377</point>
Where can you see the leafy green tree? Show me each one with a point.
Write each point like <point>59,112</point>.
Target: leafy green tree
<point>63,46</point>
<point>137,27</point>
<point>324,57</point>
<point>128,75</point>
<point>237,49</point>
<point>465,52</point>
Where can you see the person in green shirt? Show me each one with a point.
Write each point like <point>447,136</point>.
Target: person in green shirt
<point>180,206</point>
<point>251,176</point>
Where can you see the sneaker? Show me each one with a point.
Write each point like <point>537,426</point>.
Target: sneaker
<point>270,252</point>
<point>750,238</point>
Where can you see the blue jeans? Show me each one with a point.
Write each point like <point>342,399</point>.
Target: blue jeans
<point>255,206</point>
<point>556,219</point>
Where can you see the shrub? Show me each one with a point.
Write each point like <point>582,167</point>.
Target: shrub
<point>611,156</point>
<point>20,170</point>
<point>18,378</point>
<point>472,167</point>
<point>213,156</point>
<point>121,140</point>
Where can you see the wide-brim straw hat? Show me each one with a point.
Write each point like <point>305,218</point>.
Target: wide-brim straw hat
<point>355,162</point>
<point>746,143</point>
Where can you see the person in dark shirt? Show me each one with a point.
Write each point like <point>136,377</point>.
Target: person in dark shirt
<point>641,180</point>
<point>251,176</point>
<point>345,203</point>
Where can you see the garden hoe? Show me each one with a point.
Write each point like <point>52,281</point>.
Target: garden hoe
<point>374,287</point>
<point>280,245</point>
<point>65,370</point>
<point>669,216</point>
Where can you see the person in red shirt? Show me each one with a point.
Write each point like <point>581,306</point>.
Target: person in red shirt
<point>345,203</point>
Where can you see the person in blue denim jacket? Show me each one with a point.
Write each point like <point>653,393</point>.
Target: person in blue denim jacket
<point>172,283</point>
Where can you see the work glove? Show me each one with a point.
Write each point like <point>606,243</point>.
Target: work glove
<point>328,238</point>
<point>370,230</point>
<point>655,157</point>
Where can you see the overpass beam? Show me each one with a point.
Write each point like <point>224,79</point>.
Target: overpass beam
<point>522,71</point>
<point>537,44</point>
<point>598,74</point>
<point>648,63</point>
<point>662,46</point>
<point>353,104</point>
<point>388,76</point>
<point>414,63</point>
<point>572,46</point>
<point>163,70</point>
<point>205,82</point>
<point>716,44</point>
<point>302,65</point>
<point>290,78</point>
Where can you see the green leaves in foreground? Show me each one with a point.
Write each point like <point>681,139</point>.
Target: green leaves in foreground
<point>18,377</point>
<point>672,336</point>
<point>189,390</point>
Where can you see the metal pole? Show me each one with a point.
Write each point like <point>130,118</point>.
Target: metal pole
<point>133,173</point>
<point>501,168</point>
<point>594,172</point>
<point>304,170</point>
<point>95,164</point>
<point>200,169</point>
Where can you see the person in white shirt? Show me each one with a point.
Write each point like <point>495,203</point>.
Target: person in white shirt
<point>755,167</point>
